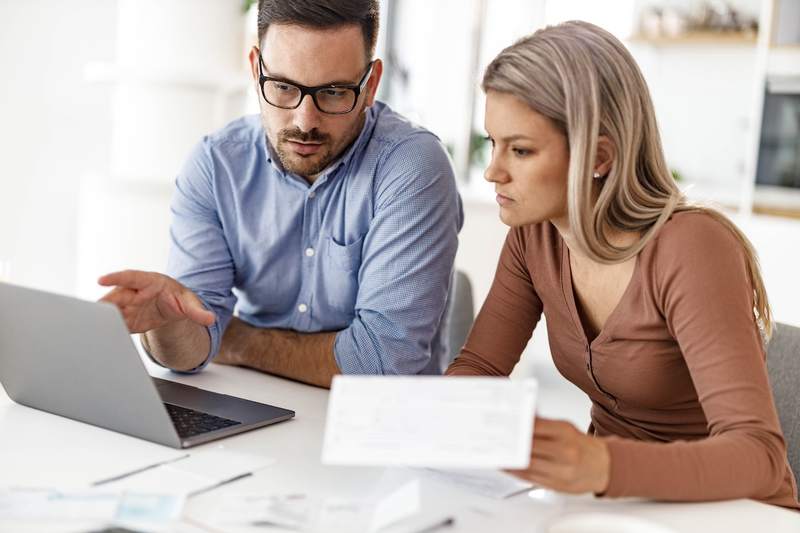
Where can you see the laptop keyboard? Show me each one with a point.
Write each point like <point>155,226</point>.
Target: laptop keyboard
<point>189,422</point>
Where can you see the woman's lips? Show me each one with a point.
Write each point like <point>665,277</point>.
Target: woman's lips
<point>304,148</point>
<point>503,200</point>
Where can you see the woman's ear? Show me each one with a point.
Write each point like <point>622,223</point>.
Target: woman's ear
<point>604,158</point>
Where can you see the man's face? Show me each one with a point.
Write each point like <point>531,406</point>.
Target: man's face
<point>306,139</point>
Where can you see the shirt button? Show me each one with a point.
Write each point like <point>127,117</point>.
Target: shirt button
<point>312,194</point>
<point>302,308</point>
<point>309,252</point>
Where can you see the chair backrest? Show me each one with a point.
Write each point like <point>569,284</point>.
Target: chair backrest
<point>460,315</point>
<point>783,366</point>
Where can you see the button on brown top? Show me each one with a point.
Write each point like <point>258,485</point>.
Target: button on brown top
<point>677,375</point>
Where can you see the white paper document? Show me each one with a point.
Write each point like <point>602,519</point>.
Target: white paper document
<point>396,507</point>
<point>331,515</point>
<point>92,505</point>
<point>491,483</point>
<point>290,511</point>
<point>430,421</point>
<point>48,505</point>
<point>197,472</point>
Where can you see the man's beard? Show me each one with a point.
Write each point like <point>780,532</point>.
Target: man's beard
<point>329,151</point>
<point>304,165</point>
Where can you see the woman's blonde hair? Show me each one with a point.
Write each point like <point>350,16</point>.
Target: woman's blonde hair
<point>584,80</point>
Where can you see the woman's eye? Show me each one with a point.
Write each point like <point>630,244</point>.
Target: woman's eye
<point>521,152</point>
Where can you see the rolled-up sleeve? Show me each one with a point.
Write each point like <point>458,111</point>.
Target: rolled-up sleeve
<point>199,256</point>
<point>407,261</point>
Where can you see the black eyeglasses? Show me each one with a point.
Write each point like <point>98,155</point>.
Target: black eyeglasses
<point>331,99</point>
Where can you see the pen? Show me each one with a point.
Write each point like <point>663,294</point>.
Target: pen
<point>138,470</point>
<point>221,483</point>
<point>445,522</point>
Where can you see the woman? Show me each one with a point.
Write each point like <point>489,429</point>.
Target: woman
<point>655,308</point>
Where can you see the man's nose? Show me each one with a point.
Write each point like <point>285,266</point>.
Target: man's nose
<point>306,115</point>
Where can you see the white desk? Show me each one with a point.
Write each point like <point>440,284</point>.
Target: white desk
<point>296,446</point>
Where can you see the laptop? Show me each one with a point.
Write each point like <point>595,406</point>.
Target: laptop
<point>76,359</point>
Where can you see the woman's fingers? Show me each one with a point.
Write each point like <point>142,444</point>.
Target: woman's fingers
<point>545,428</point>
<point>552,450</point>
<point>565,459</point>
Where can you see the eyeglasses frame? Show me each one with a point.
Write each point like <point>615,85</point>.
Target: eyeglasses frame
<point>312,91</point>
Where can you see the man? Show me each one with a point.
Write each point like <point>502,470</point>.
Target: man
<point>329,221</point>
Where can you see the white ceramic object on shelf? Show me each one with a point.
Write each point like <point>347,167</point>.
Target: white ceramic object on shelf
<point>188,34</point>
<point>179,74</point>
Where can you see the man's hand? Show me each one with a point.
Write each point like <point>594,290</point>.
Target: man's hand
<point>149,300</point>
<point>565,459</point>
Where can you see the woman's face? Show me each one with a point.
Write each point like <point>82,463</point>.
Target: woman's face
<point>530,160</point>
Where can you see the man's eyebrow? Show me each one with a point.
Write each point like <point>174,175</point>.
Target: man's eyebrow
<point>289,80</point>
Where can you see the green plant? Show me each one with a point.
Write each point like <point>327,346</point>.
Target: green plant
<point>247,4</point>
<point>677,176</point>
<point>477,152</point>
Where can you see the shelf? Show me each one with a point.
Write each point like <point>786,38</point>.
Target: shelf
<point>698,38</point>
<point>784,61</point>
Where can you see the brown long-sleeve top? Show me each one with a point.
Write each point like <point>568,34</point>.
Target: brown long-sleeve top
<point>677,376</point>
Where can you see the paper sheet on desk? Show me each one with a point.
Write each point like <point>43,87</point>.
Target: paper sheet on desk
<point>491,483</point>
<point>333,515</point>
<point>430,421</point>
<point>201,470</point>
<point>89,505</point>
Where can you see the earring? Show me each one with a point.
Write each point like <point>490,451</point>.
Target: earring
<point>596,175</point>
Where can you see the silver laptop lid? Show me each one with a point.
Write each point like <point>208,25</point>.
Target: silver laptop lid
<point>76,359</point>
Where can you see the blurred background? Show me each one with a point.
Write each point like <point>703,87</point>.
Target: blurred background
<point>102,100</point>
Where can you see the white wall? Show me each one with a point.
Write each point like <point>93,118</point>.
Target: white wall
<point>703,116</point>
<point>53,128</point>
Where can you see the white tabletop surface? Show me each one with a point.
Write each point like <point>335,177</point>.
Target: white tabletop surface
<point>29,438</point>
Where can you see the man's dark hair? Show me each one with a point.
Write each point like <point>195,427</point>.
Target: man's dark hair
<point>322,14</point>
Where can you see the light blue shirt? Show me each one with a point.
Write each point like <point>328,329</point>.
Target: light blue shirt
<point>367,250</point>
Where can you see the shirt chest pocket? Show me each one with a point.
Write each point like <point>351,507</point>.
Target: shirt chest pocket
<point>347,257</point>
<point>344,261</point>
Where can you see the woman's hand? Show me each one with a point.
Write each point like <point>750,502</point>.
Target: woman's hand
<point>565,459</point>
